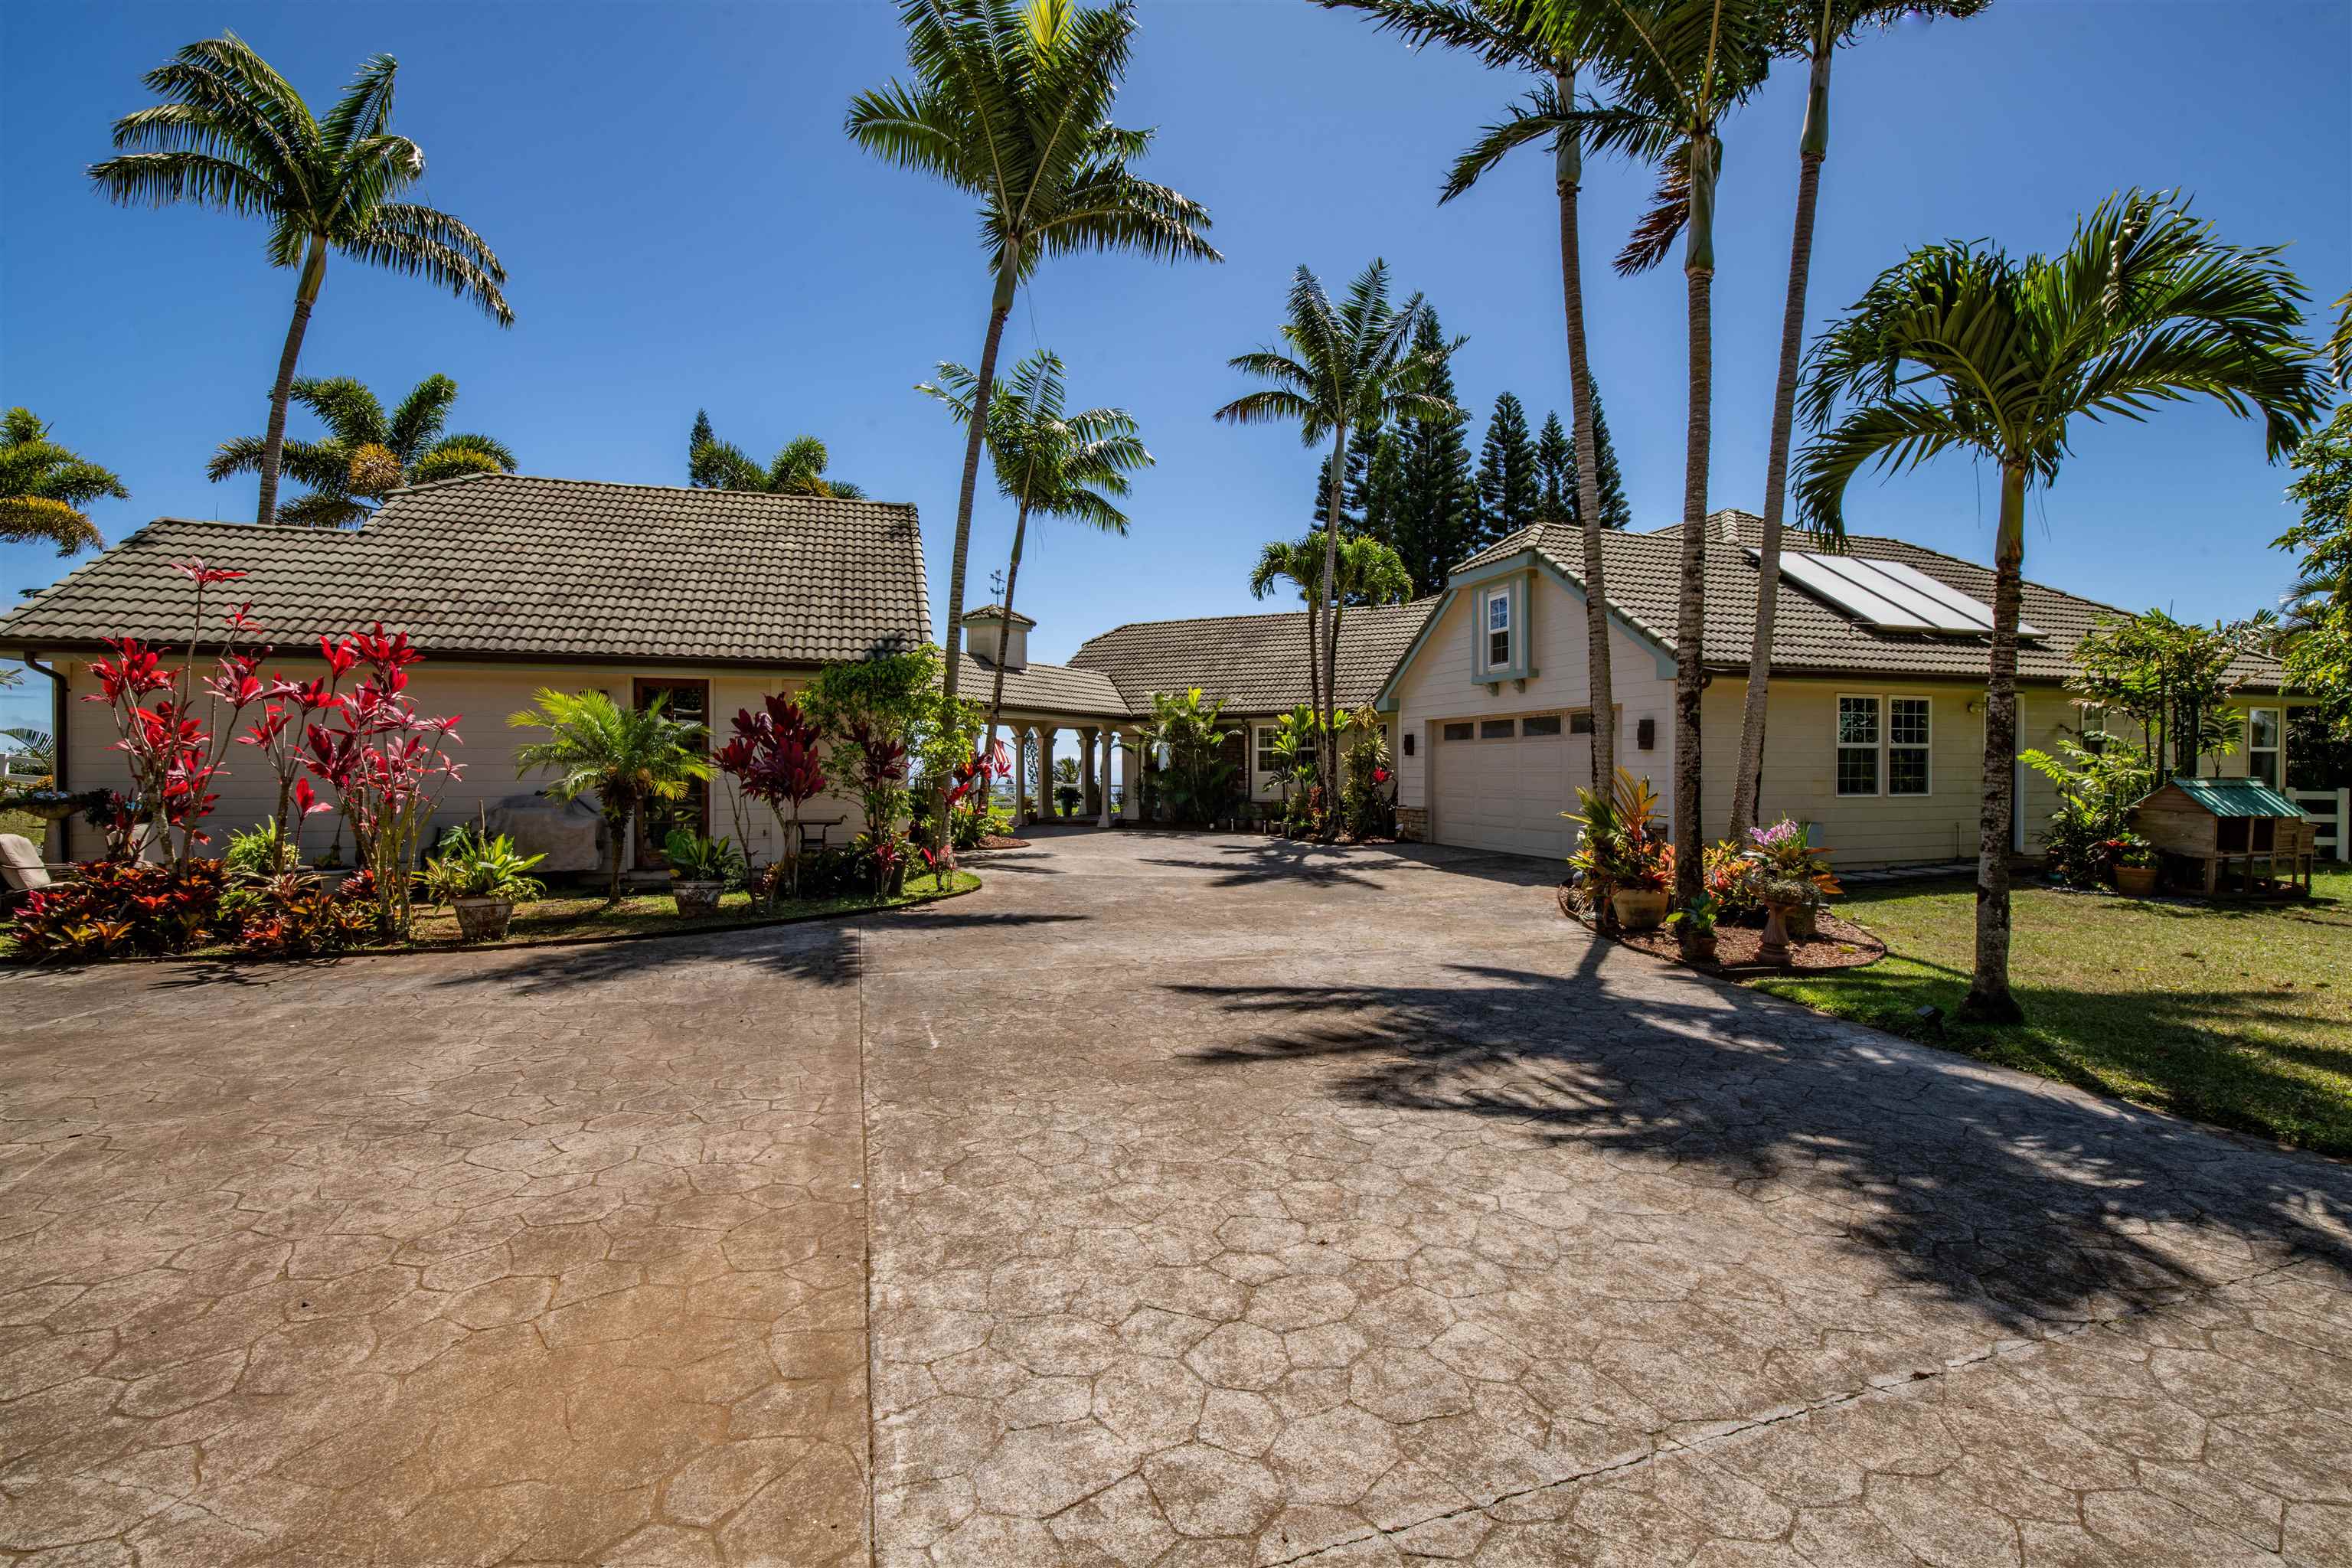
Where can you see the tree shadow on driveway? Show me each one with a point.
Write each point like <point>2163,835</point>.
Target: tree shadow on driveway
<point>2021,1199</point>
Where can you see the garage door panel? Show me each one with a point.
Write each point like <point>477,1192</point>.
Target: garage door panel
<point>1505,796</point>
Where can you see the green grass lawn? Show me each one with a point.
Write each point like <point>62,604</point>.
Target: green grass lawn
<point>25,823</point>
<point>2236,1014</point>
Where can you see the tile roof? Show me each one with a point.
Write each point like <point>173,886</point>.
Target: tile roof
<point>1811,636</point>
<point>1018,618</point>
<point>1048,689</point>
<point>506,566</point>
<point>1257,664</point>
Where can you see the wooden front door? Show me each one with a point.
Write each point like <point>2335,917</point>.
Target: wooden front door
<point>688,701</point>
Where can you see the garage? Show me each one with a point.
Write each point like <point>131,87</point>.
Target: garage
<point>1502,784</point>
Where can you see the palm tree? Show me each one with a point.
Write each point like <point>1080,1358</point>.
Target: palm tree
<point>1298,562</point>
<point>1960,347</point>
<point>627,757</point>
<point>1514,35</point>
<point>796,469</point>
<point>1345,369</point>
<point>1816,40</point>
<point>1674,67</point>
<point>366,455</point>
<point>44,487</point>
<point>1047,461</point>
<point>1011,101</point>
<point>234,135</point>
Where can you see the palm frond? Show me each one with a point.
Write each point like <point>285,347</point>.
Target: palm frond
<point>1662,222</point>
<point>420,416</point>
<point>27,519</point>
<point>323,509</point>
<point>345,405</point>
<point>422,243</point>
<point>1540,116</point>
<point>366,106</point>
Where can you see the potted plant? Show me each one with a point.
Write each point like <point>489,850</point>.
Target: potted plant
<point>2134,858</point>
<point>1622,859</point>
<point>482,878</point>
<point>700,869</point>
<point>1789,875</point>
<point>1697,918</point>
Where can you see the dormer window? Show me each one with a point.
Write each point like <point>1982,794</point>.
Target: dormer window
<point>1498,631</point>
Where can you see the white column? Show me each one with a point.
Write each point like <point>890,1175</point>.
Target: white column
<point>1130,749</point>
<point>1103,777</point>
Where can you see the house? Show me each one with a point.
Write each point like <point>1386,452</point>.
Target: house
<point>709,599</point>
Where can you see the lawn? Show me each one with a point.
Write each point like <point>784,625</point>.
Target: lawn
<point>2238,1016</point>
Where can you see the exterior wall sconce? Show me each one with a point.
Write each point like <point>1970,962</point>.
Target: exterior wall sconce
<point>1408,743</point>
<point>1646,735</point>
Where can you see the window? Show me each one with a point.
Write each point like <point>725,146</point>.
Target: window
<point>2095,730</point>
<point>2262,730</point>
<point>1459,731</point>
<point>1541,724</point>
<point>1499,629</point>
<point>1906,745</point>
<point>1495,729</point>
<point>1268,769</point>
<point>1857,741</point>
<point>1580,724</point>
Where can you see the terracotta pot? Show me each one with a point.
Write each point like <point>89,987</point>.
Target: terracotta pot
<point>1640,908</point>
<point>1799,922</point>
<point>695,897</point>
<point>2135,882</point>
<point>1774,946</point>
<point>482,919</point>
<point>1700,948</point>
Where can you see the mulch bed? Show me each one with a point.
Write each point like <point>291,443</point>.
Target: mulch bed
<point>999,841</point>
<point>1836,944</point>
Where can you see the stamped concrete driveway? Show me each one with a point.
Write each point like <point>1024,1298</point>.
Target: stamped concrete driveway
<point>1181,1201</point>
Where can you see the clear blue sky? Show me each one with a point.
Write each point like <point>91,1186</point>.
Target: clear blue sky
<point>686,226</point>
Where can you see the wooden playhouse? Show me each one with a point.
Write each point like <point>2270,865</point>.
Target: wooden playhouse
<point>2235,837</point>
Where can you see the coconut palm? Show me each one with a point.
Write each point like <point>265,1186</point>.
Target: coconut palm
<point>1298,562</point>
<point>44,487</point>
<point>1339,370</point>
<point>625,757</point>
<point>1048,461</point>
<point>1814,32</point>
<point>366,454</point>
<point>796,469</point>
<point>1516,34</point>
<point>1961,347</point>
<point>234,135</point>
<point>1011,101</point>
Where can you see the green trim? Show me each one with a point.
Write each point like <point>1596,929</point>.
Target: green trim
<point>1514,588</point>
<point>1528,559</point>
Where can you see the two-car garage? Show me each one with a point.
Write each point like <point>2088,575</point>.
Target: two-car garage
<point>1501,784</point>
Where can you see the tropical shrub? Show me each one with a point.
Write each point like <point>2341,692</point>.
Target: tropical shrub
<point>2096,790</point>
<point>1366,804</point>
<point>260,850</point>
<point>1786,867</point>
<point>1624,843</point>
<point>1198,782</point>
<point>299,914</point>
<point>2128,848</point>
<point>629,759</point>
<point>875,711</point>
<point>694,858</point>
<point>114,907</point>
<point>476,864</point>
<point>775,757</point>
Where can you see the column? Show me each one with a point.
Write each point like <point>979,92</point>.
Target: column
<point>1131,775</point>
<point>1091,802</point>
<point>1046,808</point>
<point>1102,782</point>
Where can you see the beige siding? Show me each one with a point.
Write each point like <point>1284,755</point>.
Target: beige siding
<point>483,695</point>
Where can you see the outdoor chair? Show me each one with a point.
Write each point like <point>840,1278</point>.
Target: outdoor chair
<point>23,869</point>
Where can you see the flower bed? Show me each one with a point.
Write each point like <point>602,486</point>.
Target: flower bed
<point>1835,943</point>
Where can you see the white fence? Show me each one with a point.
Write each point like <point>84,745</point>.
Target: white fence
<point>2330,811</point>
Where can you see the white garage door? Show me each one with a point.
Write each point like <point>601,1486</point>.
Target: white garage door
<point>1502,784</point>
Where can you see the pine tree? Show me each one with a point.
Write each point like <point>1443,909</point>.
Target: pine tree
<point>702,434</point>
<point>1555,472</point>
<point>1616,512</point>
<point>1383,512</point>
<point>1509,489</point>
<point>1437,503</point>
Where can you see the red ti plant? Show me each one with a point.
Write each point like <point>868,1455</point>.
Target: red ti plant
<point>971,781</point>
<point>774,756</point>
<point>874,764</point>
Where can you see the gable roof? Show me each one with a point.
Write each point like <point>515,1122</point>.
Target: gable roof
<point>1055,688</point>
<point>2230,797</point>
<point>1255,664</point>
<point>1810,635</point>
<point>506,566</point>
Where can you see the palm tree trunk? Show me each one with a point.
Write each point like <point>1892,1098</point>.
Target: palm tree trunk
<point>1690,621</point>
<point>305,294</point>
<point>1004,626</point>
<point>620,827</point>
<point>1748,787</point>
<point>1327,743</point>
<point>1568,158</point>
<point>1315,672</point>
<point>1989,1000</point>
<point>976,435</point>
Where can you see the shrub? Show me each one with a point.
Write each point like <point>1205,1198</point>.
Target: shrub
<point>1785,866</point>
<point>299,915</point>
<point>1366,805</point>
<point>259,851</point>
<point>114,907</point>
<point>473,864</point>
<point>695,858</point>
<point>2096,790</point>
<point>1623,844</point>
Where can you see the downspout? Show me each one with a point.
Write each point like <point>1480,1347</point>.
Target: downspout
<point>58,708</point>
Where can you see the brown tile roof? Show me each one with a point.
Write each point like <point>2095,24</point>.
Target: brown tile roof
<point>1257,664</point>
<point>505,565</point>
<point>1810,635</point>
<point>1018,618</point>
<point>1048,688</point>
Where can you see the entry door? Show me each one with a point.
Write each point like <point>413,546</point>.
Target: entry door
<point>1502,784</point>
<point>688,701</point>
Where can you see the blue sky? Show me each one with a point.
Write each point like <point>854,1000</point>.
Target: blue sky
<point>685,225</point>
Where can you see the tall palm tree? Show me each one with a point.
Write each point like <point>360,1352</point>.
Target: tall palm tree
<point>1674,68</point>
<point>625,757</point>
<point>1541,40</point>
<point>1814,37</point>
<point>367,454</point>
<point>1048,460</point>
<point>1298,562</point>
<point>796,469</point>
<point>44,487</point>
<point>1960,347</point>
<point>1011,101</point>
<point>1346,369</point>
<point>234,135</point>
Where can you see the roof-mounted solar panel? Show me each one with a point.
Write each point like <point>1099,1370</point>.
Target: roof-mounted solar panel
<point>1888,594</point>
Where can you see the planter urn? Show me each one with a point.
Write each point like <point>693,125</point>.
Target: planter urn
<point>695,897</point>
<point>1640,908</point>
<point>1774,947</point>
<point>1799,922</point>
<point>2135,882</point>
<point>1700,948</point>
<point>482,919</point>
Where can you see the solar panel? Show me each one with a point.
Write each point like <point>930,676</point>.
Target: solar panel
<point>1889,594</point>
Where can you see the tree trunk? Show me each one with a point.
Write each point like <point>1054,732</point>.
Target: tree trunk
<point>273,445</point>
<point>1004,626</point>
<point>1600,686</point>
<point>620,827</point>
<point>976,435</point>
<point>1690,621</point>
<point>1748,787</point>
<point>1989,1000</point>
<point>1328,744</point>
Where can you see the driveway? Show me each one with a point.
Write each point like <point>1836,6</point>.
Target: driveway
<point>1176,1200</point>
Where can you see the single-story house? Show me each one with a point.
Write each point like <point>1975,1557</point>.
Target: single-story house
<point>709,599</point>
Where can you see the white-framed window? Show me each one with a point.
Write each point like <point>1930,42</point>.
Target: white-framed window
<point>1268,769</point>
<point>1908,745</point>
<point>1859,736</point>
<point>2266,749</point>
<point>1536,726</point>
<point>1499,629</point>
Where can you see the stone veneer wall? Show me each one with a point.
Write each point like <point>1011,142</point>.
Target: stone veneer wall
<point>1413,823</point>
